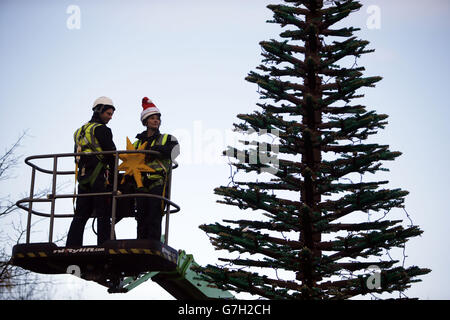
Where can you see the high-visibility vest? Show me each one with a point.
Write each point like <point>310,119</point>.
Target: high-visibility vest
<point>85,139</point>
<point>161,166</point>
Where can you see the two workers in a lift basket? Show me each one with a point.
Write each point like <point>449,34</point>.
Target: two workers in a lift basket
<point>95,174</point>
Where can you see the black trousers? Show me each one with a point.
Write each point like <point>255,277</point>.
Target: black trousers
<point>85,206</point>
<point>149,215</point>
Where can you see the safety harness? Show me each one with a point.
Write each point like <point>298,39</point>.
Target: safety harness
<point>85,141</point>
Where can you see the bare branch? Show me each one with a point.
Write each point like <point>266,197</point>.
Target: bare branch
<point>9,159</point>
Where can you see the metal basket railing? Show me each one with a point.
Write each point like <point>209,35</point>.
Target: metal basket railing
<point>115,194</point>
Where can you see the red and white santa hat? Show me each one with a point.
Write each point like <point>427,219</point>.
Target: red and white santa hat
<point>149,109</point>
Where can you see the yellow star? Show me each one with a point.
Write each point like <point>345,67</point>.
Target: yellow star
<point>134,163</point>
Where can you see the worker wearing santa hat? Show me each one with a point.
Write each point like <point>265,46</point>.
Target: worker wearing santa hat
<point>149,211</point>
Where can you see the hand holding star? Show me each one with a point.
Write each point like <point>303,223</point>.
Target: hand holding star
<point>134,163</point>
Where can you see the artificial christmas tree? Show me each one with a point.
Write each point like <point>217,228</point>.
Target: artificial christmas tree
<point>307,221</point>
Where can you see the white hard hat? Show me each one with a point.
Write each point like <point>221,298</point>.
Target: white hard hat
<point>103,100</point>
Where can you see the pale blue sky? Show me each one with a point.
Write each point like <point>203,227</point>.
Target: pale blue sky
<point>191,58</point>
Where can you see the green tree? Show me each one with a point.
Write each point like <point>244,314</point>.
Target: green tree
<point>307,224</point>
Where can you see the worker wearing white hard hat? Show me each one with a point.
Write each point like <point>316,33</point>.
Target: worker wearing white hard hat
<point>93,173</point>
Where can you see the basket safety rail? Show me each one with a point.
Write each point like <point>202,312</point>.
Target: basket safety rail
<point>115,193</point>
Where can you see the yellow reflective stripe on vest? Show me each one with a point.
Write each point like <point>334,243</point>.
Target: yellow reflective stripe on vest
<point>159,166</point>
<point>162,141</point>
<point>85,139</point>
